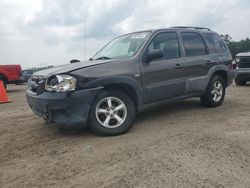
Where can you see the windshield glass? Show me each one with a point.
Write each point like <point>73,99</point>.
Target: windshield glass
<point>122,47</point>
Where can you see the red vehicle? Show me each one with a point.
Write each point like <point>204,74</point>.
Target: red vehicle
<point>10,74</point>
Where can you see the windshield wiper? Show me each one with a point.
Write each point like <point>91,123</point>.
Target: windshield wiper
<point>102,58</point>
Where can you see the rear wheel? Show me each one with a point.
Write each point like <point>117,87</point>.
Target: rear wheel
<point>112,113</point>
<point>215,93</point>
<point>240,82</point>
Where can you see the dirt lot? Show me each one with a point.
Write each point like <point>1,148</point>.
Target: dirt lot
<point>178,145</point>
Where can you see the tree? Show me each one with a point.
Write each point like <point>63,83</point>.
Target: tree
<point>236,47</point>
<point>227,38</point>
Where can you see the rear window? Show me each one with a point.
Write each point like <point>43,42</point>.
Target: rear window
<point>193,44</point>
<point>215,42</point>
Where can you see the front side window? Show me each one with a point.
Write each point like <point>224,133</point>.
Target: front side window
<point>215,42</point>
<point>168,43</point>
<point>122,47</point>
<point>193,44</point>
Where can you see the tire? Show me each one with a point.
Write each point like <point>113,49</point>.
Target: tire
<point>215,93</point>
<point>239,82</point>
<point>104,116</point>
<point>4,81</point>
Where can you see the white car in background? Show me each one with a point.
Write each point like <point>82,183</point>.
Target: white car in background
<point>242,74</point>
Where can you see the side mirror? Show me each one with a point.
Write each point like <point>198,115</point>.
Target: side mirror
<point>154,54</point>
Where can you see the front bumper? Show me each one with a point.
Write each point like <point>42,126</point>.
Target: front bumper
<point>242,74</point>
<point>69,109</point>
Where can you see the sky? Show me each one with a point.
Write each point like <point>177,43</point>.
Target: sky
<point>37,33</point>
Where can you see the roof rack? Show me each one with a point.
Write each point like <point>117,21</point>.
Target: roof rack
<point>187,27</point>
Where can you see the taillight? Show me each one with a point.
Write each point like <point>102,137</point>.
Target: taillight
<point>230,65</point>
<point>234,66</point>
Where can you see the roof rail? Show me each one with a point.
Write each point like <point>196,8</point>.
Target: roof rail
<point>187,27</point>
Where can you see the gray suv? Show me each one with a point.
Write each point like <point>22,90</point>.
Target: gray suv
<point>242,75</point>
<point>131,73</point>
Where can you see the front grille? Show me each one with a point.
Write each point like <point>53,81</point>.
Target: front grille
<point>244,62</point>
<point>36,84</point>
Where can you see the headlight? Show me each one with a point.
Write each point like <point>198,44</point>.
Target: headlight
<point>237,60</point>
<point>60,83</point>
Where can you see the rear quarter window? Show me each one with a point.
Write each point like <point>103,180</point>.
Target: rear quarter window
<point>215,42</point>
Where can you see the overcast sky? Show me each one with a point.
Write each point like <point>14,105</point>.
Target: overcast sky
<point>36,33</point>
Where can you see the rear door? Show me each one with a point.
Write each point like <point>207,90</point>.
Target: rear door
<point>165,77</point>
<point>198,60</point>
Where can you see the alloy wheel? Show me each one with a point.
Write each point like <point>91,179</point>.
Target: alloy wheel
<point>111,112</point>
<point>217,91</point>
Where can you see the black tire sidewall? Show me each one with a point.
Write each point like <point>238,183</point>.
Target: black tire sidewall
<point>97,128</point>
<point>207,98</point>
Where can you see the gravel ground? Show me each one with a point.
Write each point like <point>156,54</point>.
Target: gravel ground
<point>178,145</point>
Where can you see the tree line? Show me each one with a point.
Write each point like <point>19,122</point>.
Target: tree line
<point>236,46</point>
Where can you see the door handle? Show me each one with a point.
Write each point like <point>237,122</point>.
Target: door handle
<point>178,66</point>
<point>208,61</point>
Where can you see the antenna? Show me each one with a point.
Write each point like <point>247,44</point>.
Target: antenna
<point>84,40</point>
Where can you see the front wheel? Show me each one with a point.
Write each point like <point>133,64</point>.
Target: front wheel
<point>215,93</point>
<point>113,113</point>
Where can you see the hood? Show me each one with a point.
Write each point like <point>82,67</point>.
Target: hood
<point>69,67</point>
<point>243,54</point>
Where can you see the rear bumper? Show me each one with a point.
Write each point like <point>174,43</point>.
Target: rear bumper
<point>243,74</point>
<point>69,109</point>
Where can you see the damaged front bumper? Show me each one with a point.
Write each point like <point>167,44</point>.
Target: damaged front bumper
<point>68,109</point>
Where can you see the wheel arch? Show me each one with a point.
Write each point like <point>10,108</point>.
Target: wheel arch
<point>221,70</point>
<point>124,83</point>
<point>223,74</point>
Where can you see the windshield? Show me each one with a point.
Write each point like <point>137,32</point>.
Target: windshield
<point>122,47</point>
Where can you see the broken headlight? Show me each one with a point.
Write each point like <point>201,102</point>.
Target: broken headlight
<point>61,83</point>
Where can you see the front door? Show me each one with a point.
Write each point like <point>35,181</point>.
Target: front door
<point>165,77</point>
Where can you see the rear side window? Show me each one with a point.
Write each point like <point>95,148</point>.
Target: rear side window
<point>215,42</point>
<point>193,44</point>
<point>168,43</point>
